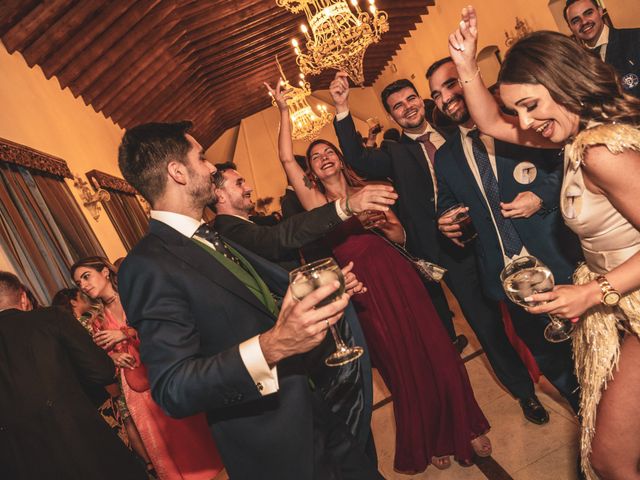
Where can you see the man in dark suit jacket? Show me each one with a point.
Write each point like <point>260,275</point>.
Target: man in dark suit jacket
<point>619,48</point>
<point>412,173</point>
<point>278,243</point>
<point>515,213</point>
<point>49,427</point>
<point>212,337</point>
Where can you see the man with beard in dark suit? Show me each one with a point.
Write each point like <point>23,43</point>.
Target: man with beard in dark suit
<point>618,47</point>
<point>49,427</point>
<point>278,243</point>
<point>213,338</point>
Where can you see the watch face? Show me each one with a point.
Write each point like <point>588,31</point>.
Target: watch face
<point>611,299</point>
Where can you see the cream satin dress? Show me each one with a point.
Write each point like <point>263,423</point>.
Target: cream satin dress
<point>608,240</point>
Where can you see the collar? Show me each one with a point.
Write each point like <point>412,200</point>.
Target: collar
<point>429,129</point>
<point>238,216</point>
<point>464,131</point>
<point>184,224</point>
<point>603,39</point>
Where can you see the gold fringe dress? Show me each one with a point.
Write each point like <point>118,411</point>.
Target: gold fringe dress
<point>608,240</point>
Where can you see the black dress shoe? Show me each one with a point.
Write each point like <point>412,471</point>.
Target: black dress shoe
<point>460,343</point>
<point>533,410</point>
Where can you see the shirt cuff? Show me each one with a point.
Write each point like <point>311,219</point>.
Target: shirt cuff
<point>265,378</point>
<point>342,115</point>
<point>341,213</point>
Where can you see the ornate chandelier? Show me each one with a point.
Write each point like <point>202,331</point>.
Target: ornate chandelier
<point>339,37</point>
<point>305,123</point>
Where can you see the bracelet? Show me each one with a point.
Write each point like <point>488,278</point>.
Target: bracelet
<point>347,208</point>
<point>464,82</point>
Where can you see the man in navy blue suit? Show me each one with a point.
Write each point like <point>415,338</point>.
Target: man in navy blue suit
<point>409,164</point>
<point>212,336</point>
<point>512,196</point>
<point>618,47</point>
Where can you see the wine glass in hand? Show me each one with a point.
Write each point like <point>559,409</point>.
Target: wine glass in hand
<point>312,276</point>
<point>526,276</point>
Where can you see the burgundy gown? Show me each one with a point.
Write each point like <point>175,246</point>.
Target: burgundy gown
<point>435,411</point>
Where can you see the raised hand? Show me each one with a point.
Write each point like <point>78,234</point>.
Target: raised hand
<point>372,197</point>
<point>279,94</point>
<point>463,43</point>
<point>339,90</point>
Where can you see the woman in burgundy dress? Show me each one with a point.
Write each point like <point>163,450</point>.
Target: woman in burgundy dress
<point>435,411</point>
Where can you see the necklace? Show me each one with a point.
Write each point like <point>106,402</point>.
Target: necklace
<point>109,301</point>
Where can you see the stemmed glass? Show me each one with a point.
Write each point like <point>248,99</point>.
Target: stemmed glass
<point>312,276</point>
<point>526,276</point>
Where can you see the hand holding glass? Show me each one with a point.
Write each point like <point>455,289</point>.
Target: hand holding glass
<point>526,276</point>
<point>312,276</point>
<point>461,217</point>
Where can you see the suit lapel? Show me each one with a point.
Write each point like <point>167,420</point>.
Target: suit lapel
<point>418,154</point>
<point>204,263</point>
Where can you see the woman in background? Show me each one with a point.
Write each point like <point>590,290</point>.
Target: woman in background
<point>175,449</point>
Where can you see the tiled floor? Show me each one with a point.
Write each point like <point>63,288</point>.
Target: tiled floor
<point>524,451</point>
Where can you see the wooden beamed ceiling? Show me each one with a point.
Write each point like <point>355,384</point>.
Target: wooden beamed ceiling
<point>138,61</point>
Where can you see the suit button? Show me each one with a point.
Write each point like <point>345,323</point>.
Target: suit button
<point>260,386</point>
<point>432,199</point>
<point>2,428</point>
<point>49,403</point>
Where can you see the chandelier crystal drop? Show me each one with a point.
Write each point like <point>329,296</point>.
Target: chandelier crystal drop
<point>339,37</point>
<point>305,123</point>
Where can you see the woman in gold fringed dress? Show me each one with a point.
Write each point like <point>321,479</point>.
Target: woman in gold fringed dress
<point>564,95</point>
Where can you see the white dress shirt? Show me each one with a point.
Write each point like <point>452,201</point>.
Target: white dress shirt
<point>489,143</point>
<point>265,378</point>
<point>603,42</point>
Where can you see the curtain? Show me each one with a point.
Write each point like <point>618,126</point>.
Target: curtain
<point>127,216</point>
<point>42,229</point>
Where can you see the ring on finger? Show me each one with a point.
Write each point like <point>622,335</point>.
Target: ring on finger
<point>327,322</point>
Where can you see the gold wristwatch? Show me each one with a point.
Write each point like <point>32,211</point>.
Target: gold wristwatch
<point>610,296</point>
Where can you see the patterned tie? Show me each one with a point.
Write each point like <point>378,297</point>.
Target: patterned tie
<point>428,146</point>
<point>510,238</point>
<point>213,237</point>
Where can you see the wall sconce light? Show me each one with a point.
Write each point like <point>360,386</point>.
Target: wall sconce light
<point>89,197</point>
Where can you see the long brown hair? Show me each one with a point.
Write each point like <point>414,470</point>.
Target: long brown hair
<point>576,79</point>
<point>352,178</point>
<point>98,264</point>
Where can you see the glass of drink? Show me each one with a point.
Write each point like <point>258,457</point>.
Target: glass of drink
<point>462,218</point>
<point>312,276</point>
<point>374,125</point>
<point>526,276</point>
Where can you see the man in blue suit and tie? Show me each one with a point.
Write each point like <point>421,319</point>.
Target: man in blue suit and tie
<point>512,196</point>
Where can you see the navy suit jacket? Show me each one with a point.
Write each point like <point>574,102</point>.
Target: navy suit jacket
<point>543,234</point>
<point>405,164</point>
<point>623,53</point>
<point>191,314</point>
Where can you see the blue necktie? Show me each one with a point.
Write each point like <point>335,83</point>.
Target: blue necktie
<point>213,237</point>
<point>510,238</point>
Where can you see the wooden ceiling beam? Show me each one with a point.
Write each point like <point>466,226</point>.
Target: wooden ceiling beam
<point>56,36</point>
<point>80,40</point>
<point>12,11</point>
<point>34,24</point>
<point>106,41</point>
